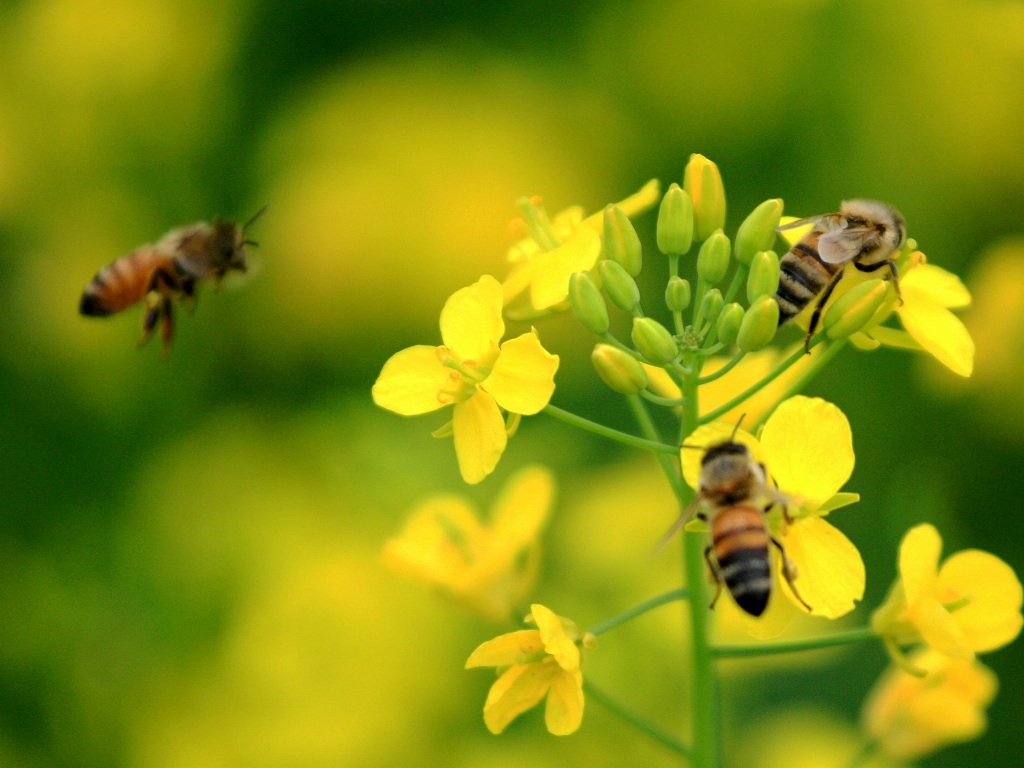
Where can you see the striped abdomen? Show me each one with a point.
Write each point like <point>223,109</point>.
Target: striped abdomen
<point>740,541</point>
<point>802,277</point>
<point>123,282</point>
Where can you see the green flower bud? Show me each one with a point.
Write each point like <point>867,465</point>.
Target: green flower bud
<point>675,222</point>
<point>588,303</point>
<point>618,369</point>
<point>757,232</point>
<point>711,305</point>
<point>653,341</point>
<point>677,294</point>
<point>621,242</point>
<point>703,183</point>
<point>729,323</point>
<point>713,259</point>
<point>855,308</point>
<point>763,278</point>
<point>759,325</point>
<point>620,287</point>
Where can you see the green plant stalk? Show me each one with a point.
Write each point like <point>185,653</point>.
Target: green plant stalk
<point>704,683</point>
<point>805,377</point>
<point>642,725</point>
<point>612,434</point>
<point>639,610</point>
<point>746,650</point>
<point>724,369</point>
<point>739,277</point>
<point>785,365</point>
<point>669,465</point>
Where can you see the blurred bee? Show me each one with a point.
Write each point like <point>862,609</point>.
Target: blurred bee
<point>166,272</point>
<point>734,497</point>
<point>865,233</point>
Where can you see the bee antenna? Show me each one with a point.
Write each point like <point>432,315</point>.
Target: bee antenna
<point>252,220</point>
<point>732,437</point>
<point>253,243</point>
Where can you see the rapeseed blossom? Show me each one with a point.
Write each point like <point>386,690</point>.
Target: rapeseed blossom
<point>970,604</point>
<point>807,447</point>
<point>488,567</point>
<point>534,664</point>
<point>475,373</point>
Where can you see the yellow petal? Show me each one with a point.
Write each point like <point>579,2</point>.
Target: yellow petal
<point>522,508</point>
<point>437,542</point>
<point>523,377</point>
<point>808,447</point>
<point>480,438</point>
<point>939,629</point>
<point>938,331</point>
<point>942,287</point>
<point>506,650</point>
<point>776,617</point>
<point>919,561</point>
<point>516,691</point>
<point>692,451</point>
<point>564,711</point>
<point>471,323</point>
<point>992,618</point>
<point>830,573</point>
<point>411,380</point>
<point>556,642</point>
<point>553,269</point>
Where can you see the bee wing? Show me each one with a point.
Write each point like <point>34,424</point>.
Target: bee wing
<point>682,520</point>
<point>815,220</point>
<point>842,245</point>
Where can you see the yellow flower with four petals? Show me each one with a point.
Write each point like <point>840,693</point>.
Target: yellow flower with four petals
<point>534,664</point>
<point>489,568</point>
<point>807,447</point>
<point>971,604</point>
<point>473,372</point>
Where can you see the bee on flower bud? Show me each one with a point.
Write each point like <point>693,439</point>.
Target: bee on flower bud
<point>865,233</point>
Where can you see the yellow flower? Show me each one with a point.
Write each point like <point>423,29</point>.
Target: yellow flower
<point>971,604</point>
<point>807,447</point>
<point>534,663</point>
<point>910,716</point>
<point>488,568</point>
<point>474,373</point>
<point>542,270</point>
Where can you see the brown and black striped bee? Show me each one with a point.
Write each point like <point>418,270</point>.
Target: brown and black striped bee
<point>168,271</point>
<point>865,233</point>
<point>734,498</point>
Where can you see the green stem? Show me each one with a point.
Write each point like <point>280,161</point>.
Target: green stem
<point>612,434</point>
<point>668,402</point>
<point>804,378</point>
<point>639,610</point>
<point>739,278</point>
<point>704,682</point>
<point>744,650</point>
<point>784,366</point>
<point>724,369</point>
<point>669,464</point>
<point>644,726</point>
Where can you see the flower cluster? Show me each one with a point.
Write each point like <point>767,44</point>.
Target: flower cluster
<point>749,458</point>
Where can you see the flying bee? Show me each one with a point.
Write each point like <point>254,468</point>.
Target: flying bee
<point>168,271</point>
<point>733,498</point>
<point>865,233</point>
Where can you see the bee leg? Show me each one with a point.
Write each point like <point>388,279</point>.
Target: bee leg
<point>818,308</point>
<point>154,308</point>
<point>188,290</point>
<point>894,274</point>
<point>789,572</point>
<point>716,577</point>
<point>167,326</point>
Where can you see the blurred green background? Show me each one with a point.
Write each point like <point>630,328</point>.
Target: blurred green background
<point>189,547</point>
